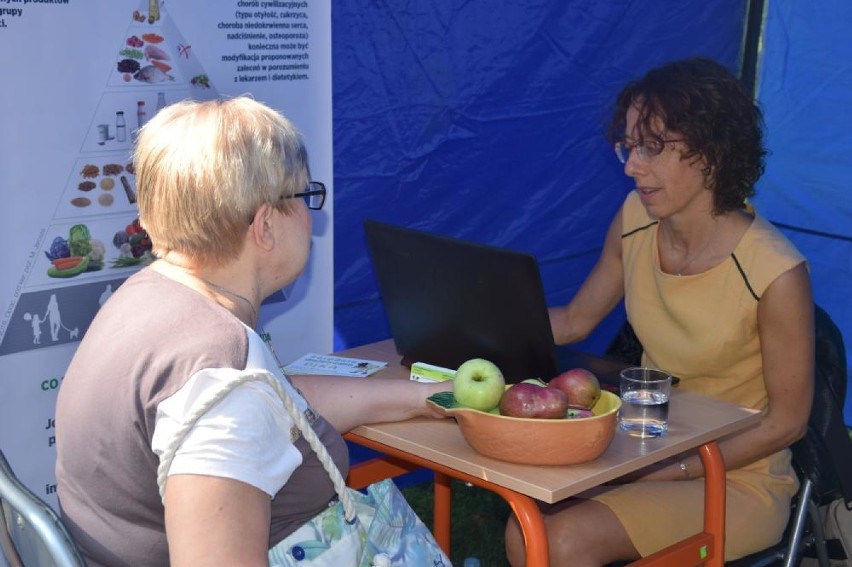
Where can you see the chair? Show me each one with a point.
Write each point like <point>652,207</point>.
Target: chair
<point>31,533</point>
<point>822,458</point>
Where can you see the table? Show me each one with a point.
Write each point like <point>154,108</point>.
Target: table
<point>694,421</point>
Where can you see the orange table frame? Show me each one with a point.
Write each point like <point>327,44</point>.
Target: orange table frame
<point>706,547</point>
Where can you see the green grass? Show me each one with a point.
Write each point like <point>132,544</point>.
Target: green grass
<point>478,518</point>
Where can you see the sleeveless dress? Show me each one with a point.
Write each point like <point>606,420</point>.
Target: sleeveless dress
<point>703,328</point>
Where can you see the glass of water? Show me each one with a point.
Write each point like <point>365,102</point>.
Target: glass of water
<point>645,396</point>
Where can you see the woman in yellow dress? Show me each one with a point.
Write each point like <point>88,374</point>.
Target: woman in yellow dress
<point>716,295</point>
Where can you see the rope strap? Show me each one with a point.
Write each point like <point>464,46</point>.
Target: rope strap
<point>297,416</point>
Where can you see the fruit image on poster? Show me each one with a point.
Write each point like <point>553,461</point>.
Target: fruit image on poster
<point>94,240</point>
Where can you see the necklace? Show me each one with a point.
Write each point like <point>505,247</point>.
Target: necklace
<point>227,291</point>
<point>217,287</point>
<point>692,257</point>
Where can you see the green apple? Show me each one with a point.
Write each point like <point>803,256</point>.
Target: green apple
<point>478,384</point>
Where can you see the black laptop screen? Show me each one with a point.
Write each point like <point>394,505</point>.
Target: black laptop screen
<point>449,300</point>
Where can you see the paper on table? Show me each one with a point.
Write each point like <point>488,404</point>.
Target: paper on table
<point>331,365</point>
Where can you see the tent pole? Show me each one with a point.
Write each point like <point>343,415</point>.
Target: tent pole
<point>751,45</point>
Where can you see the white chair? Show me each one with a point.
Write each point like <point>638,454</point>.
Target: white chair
<point>31,533</point>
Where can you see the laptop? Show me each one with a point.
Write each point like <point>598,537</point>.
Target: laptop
<point>449,300</point>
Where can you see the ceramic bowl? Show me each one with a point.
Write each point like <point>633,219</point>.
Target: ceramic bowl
<point>535,441</point>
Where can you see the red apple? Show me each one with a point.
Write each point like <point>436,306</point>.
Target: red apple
<point>531,400</point>
<point>581,387</point>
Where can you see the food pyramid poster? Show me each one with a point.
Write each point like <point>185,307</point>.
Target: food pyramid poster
<point>79,78</point>
<point>94,240</point>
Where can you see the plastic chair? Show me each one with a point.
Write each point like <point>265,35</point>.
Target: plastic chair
<point>822,458</point>
<point>31,533</point>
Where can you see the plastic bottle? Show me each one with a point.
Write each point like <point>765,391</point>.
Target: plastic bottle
<point>161,101</point>
<point>120,127</point>
<point>141,114</point>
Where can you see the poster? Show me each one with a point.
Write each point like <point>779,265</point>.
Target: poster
<point>79,78</point>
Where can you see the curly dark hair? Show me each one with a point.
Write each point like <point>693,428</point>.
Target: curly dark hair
<point>704,104</point>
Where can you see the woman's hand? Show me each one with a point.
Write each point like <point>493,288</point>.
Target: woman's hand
<point>349,402</point>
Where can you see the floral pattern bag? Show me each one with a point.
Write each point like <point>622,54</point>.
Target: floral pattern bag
<point>386,533</point>
<point>373,529</point>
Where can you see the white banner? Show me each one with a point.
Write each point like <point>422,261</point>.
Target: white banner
<point>79,77</point>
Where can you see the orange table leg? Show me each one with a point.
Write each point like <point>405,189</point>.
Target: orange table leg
<point>441,511</point>
<point>714,500</point>
<point>532,526</point>
<point>708,547</point>
<point>525,508</point>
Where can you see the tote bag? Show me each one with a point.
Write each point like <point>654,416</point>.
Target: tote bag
<point>373,529</point>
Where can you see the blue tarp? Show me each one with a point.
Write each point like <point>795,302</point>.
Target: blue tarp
<point>485,122</point>
<point>805,89</point>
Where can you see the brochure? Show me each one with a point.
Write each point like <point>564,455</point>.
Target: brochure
<point>331,365</point>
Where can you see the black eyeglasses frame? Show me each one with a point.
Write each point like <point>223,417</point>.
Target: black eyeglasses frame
<point>313,189</point>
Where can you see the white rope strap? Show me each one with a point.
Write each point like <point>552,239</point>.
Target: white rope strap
<point>297,416</point>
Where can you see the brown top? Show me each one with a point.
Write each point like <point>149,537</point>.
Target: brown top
<point>146,342</point>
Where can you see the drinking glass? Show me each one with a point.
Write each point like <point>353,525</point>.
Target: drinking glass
<point>645,396</point>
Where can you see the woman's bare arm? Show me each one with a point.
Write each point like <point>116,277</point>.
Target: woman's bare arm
<point>215,521</point>
<point>349,402</point>
<point>599,294</point>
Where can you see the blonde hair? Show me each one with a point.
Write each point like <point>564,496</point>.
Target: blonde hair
<point>204,168</point>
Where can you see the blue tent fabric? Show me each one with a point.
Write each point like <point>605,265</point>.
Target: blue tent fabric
<point>804,85</point>
<point>485,122</point>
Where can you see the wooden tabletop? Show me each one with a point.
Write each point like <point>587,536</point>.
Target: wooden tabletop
<point>693,420</point>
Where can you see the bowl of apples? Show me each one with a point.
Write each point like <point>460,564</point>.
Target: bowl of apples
<point>566,421</point>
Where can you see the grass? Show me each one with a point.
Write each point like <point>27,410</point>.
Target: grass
<point>478,520</point>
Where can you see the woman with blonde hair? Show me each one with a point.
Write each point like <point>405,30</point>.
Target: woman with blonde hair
<point>225,194</point>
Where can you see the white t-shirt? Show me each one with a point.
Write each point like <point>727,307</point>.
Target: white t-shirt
<point>244,437</point>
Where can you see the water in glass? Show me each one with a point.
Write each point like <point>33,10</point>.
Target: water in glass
<point>644,413</point>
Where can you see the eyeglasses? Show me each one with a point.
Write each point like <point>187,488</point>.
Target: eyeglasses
<point>647,150</point>
<point>314,195</point>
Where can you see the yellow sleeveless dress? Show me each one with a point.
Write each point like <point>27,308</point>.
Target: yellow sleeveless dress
<point>703,328</point>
